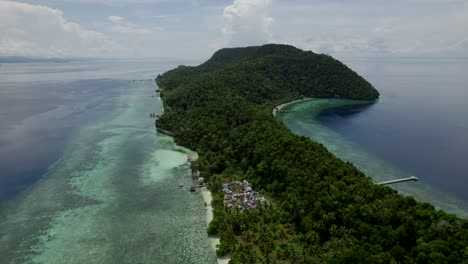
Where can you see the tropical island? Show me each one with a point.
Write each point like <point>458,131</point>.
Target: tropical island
<point>320,209</point>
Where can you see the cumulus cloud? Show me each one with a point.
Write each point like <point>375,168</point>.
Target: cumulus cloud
<point>36,30</point>
<point>335,44</point>
<point>115,19</point>
<point>120,26</point>
<point>423,27</point>
<point>435,33</point>
<point>461,45</point>
<point>359,27</point>
<point>246,22</point>
<point>130,29</point>
<point>114,2</point>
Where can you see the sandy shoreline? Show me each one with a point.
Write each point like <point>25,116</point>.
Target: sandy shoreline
<point>289,103</point>
<point>209,217</point>
<point>207,198</point>
<point>209,209</point>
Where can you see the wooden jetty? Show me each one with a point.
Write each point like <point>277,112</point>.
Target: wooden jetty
<point>412,178</point>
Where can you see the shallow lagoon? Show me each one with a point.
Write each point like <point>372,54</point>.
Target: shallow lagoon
<point>305,118</point>
<point>417,127</point>
<point>112,194</point>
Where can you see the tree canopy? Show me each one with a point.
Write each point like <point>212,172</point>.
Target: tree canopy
<point>323,210</point>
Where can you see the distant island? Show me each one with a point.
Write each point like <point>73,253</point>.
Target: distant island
<point>18,59</point>
<point>321,209</point>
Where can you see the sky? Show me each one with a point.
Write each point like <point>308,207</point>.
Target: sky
<point>194,29</point>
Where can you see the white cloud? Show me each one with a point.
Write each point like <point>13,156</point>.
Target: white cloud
<point>114,2</point>
<point>425,33</point>
<point>333,44</point>
<point>409,27</point>
<point>406,27</point>
<point>461,45</point>
<point>119,26</point>
<point>115,19</point>
<point>36,30</point>
<point>246,22</point>
<point>131,29</point>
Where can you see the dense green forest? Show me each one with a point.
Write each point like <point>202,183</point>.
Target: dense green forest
<point>323,210</point>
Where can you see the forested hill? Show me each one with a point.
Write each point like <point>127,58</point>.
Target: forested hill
<point>323,210</point>
<point>280,69</point>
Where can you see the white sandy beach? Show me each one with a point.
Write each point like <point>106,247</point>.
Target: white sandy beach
<point>209,216</point>
<point>207,198</point>
<point>288,103</point>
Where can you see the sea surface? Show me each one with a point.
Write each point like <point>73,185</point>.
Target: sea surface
<point>84,177</point>
<point>418,127</point>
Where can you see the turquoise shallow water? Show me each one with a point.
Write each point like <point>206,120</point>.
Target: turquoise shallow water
<point>112,197</point>
<point>42,105</point>
<point>301,118</point>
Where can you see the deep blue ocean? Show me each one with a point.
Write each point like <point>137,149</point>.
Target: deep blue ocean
<point>420,123</point>
<point>418,127</point>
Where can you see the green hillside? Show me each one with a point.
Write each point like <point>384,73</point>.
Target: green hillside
<point>284,69</point>
<point>323,210</point>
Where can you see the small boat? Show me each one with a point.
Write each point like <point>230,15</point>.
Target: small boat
<point>192,188</point>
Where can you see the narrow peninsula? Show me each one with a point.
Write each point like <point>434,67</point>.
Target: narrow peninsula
<point>320,209</point>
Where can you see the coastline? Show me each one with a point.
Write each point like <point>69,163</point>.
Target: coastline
<point>380,170</point>
<point>56,214</point>
<point>290,103</point>
<point>207,198</point>
<point>214,241</point>
<point>243,141</point>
